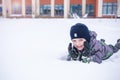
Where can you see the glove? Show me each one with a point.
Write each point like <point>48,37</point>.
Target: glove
<point>86,59</point>
<point>73,52</point>
<point>86,51</point>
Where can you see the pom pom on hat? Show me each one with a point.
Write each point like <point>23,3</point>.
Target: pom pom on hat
<point>79,30</point>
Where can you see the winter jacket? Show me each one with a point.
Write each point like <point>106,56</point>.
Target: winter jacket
<point>98,50</point>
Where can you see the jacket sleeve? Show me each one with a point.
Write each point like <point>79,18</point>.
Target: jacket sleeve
<point>97,52</point>
<point>97,58</point>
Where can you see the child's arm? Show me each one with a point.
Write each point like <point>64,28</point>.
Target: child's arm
<point>95,54</point>
<point>99,51</point>
<point>94,58</point>
<point>73,53</point>
<point>97,57</point>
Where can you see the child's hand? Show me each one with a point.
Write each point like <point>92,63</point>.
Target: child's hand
<point>72,52</point>
<point>85,59</point>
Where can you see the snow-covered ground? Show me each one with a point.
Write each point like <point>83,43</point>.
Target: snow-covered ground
<point>34,49</point>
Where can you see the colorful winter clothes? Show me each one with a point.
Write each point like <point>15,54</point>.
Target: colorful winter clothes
<point>98,49</point>
<point>94,50</point>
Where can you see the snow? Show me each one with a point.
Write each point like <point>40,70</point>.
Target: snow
<point>35,49</point>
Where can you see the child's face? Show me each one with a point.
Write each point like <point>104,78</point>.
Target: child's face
<point>78,43</point>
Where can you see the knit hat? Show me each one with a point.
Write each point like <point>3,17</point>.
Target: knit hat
<point>79,30</point>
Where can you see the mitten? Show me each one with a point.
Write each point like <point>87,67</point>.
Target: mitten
<point>86,59</point>
<point>72,52</point>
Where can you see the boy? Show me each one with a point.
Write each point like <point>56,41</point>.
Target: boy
<point>85,46</point>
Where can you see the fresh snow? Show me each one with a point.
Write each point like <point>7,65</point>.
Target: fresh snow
<point>35,49</point>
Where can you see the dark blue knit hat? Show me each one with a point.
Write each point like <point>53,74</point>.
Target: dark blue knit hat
<point>80,30</point>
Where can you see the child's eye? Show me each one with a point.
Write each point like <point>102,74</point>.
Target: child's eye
<point>74,40</point>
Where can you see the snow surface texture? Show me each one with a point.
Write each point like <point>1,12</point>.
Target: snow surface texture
<point>34,49</point>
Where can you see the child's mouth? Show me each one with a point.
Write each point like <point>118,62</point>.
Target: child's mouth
<point>80,47</point>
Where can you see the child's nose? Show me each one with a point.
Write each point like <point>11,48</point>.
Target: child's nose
<point>77,43</point>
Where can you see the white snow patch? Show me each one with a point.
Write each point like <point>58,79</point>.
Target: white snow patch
<point>33,49</point>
